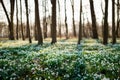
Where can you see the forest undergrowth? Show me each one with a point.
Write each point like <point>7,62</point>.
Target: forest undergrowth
<point>65,60</point>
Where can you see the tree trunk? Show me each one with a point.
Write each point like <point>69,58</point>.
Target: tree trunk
<point>45,27</point>
<point>59,20</point>
<point>10,20</point>
<point>44,19</point>
<point>22,33</point>
<point>27,16</point>
<point>12,3</point>
<point>54,40</point>
<point>102,18</point>
<point>113,22</point>
<point>40,39</point>
<point>105,28</point>
<point>73,20</point>
<point>94,26</point>
<point>66,25</point>
<point>83,25</point>
<point>17,32</point>
<point>118,17</point>
<point>80,24</point>
<point>35,30</point>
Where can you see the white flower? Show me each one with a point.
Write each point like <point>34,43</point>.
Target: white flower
<point>67,75</point>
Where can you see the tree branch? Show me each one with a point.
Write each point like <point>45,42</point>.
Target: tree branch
<point>4,8</point>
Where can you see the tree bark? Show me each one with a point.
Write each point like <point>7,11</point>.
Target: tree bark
<point>44,2</point>
<point>54,40</point>
<point>73,20</point>
<point>105,28</point>
<point>27,22</point>
<point>59,23</point>
<point>35,31</point>
<point>93,16</point>
<point>12,2</point>
<point>113,22</point>
<point>83,25</point>
<point>102,18</point>
<point>35,28</point>
<point>80,24</point>
<point>17,32</point>
<point>22,33</point>
<point>40,39</point>
<point>118,17</point>
<point>66,25</point>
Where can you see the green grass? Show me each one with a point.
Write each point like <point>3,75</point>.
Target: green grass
<point>64,60</point>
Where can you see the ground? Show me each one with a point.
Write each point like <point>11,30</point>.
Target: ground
<point>64,60</point>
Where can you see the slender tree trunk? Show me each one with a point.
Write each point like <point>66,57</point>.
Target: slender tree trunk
<point>12,4</point>
<point>54,40</point>
<point>27,16</point>
<point>89,27</point>
<point>35,30</point>
<point>66,25</point>
<point>102,18</point>
<point>80,24</point>
<point>17,32</point>
<point>45,27</point>
<point>84,26</point>
<point>94,26</point>
<point>44,2</point>
<point>105,28</point>
<point>59,24</point>
<point>73,20</point>
<point>113,22</point>
<point>118,17</point>
<point>23,38</point>
<point>40,39</point>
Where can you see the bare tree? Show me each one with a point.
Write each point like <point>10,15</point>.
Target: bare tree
<point>40,39</point>
<point>93,16</point>
<point>103,12</point>
<point>80,24</point>
<point>27,16</point>
<point>105,28</point>
<point>73,20</point>
<point>53,27</point>
<point>22,33</point>
<point>59,20</point>
<point>12,3</point>
<point>66,25</point>
<point>83,25</point>
<point>118,19</point>
<point>10,20</point>
<point>35,29</point>
<point>44,2</point>
<point>17,20</point>
<point>113,22</point>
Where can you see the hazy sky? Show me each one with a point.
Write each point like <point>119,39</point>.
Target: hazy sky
<point>86,10</point>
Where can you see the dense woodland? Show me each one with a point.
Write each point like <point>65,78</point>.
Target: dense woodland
<point>17,29</point>
<point>90,50</point>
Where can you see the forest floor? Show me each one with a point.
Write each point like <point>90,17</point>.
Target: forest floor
<point>64,60</point>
